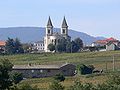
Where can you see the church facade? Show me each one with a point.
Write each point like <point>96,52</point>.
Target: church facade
<point>52,37</point>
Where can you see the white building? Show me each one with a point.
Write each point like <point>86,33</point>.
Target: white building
<point>38,46</point>
<point>55,37</point>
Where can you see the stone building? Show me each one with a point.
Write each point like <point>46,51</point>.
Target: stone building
<point>39,71</point>
<point>55,37</point>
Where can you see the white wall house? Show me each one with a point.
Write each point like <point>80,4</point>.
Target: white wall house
<point>39,46</point>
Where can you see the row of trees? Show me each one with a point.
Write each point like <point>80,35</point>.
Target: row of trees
<point>14,46</point>
<point>67,46</point>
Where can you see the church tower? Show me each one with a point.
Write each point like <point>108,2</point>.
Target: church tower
<point>64,28</point>
<point>49,28</point>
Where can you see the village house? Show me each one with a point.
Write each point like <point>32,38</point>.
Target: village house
<point>2,46</point>
<point>40,71</point>
<point>109,44</point>
<point>38,46</point>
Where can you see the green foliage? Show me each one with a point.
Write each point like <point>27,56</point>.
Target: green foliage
<point>26,86</point>
<point>61,45</point>
<point>5,68</point>
<point>56,86</point>
<point>51,47</point>
<point>83,69</point>
<point>114,79</point>
<point>16,77</point>
<point>59,77</point>
<point>79,43</point>
<point>13,46</point>
<point>79,86</point>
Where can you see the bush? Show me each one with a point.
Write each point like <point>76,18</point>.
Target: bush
<point>59,77</point>
<point>83,69</point>
<point>26,86</point>
<point>56,86</point>
<point>16,77</point>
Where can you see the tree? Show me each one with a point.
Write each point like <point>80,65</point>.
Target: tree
<point>13,46</point>
<point>16,77</point>
<point>5,68</point>
<point>56,86</point>
<point>75,47</point>
<point>18,46</point>
<point>83,69</point>
<point>51,47</point>
<point>79,43</point>
<point>59,77</point>
<point>61,45</point>
<point>68,47</point>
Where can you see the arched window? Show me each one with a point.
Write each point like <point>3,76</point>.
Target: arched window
<point>48,31</point>
<point>63,31</point>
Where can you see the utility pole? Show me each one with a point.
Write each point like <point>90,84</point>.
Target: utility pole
<point>113,63</point>
<point>106,65</point>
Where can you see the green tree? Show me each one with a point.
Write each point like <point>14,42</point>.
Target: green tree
<point>83,69</point>
<point>59,77</point>
<point>68,47</point>
<point>61,45</point>
<point>56,86</point>
<point>75,47</point>
<point>5,69</point>
<point>16,77</point>
<point>51,47</point>
<point>13,46</point>
<point>79,43</point>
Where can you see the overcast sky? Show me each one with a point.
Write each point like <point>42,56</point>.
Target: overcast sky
<point>94,17</point>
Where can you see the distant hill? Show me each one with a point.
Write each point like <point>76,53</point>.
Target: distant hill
<point>32,34</point>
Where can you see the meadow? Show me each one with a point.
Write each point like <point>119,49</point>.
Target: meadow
<point>101,60</point>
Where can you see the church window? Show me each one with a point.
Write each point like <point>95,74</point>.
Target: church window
<point>48,31</point>
<point>63,31</point>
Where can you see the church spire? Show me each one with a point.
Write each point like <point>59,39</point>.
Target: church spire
<point>64,23</point>
<point>49,24</point>
<point>64,28</point>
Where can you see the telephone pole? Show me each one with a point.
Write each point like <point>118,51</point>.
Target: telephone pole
<point>113,63</point>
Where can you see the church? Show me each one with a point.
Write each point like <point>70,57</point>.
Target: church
<point>52,37</point>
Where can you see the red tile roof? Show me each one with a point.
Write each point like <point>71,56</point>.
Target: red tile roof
<point>2,43</point>
<point>106,41</point>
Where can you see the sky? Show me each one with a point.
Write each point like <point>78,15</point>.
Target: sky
<point>94,17</point>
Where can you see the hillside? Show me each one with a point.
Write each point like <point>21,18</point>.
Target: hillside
<point>32,34</point>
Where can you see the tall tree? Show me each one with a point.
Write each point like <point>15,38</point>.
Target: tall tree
<point>79,43</point>
<point>61,45</point>
<point>5,68</point>
<point>51,47</point>
<point>13,46</point>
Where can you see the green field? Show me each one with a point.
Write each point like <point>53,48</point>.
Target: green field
<point>98,59</point>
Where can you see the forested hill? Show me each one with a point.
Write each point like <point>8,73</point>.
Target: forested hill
<point>32,34</point>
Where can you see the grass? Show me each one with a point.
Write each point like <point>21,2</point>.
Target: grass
<point>98,59</point>
<point>44,83</point>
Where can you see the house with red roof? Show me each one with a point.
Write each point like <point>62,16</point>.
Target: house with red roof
<point>109,43</point>
<point>2,46</point>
